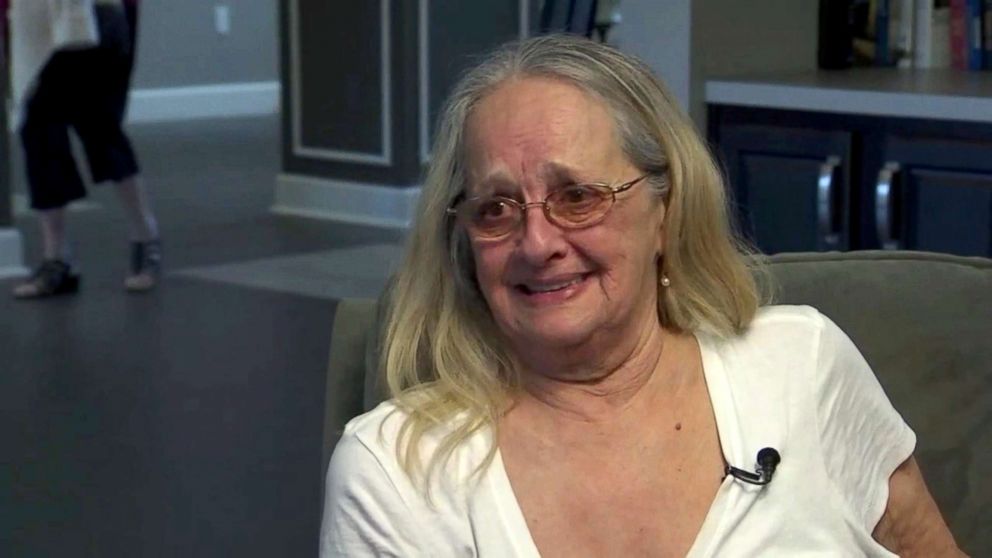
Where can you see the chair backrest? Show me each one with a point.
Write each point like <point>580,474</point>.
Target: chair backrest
<point>923,321</point>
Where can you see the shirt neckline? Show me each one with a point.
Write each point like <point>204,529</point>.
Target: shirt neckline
<point>722,404</point>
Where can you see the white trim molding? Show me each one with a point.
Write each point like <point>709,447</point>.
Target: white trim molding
<point>11,254</point>
<point>204,101</point>
<point>385,157</point>
<point>345,201</point>
<point>423,67</point>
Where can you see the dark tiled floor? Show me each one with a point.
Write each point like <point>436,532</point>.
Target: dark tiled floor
<point>185,422</point>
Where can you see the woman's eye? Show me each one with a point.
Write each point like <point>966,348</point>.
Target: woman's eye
<point>491,209</point>
<point>577,195</point>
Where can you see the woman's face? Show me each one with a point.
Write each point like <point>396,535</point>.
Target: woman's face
<point>549,287</point>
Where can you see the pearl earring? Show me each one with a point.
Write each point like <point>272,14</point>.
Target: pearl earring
<point>665,281</point>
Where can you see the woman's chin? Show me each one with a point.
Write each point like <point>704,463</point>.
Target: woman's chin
<point>553,335</point>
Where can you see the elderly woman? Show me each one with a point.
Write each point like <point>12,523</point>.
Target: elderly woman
<point>578,361</point>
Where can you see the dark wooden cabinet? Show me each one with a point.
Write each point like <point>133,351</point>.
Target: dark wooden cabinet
<point>935,195</point>
<point>790,185</point>
<point>816,181</point>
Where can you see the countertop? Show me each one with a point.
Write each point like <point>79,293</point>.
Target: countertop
<point>942,94</point>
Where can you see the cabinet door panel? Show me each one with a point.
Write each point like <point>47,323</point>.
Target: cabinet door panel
<point>952,213</point>
<point>781,202</point>
<point>943,200</point>
<point>790,185</point>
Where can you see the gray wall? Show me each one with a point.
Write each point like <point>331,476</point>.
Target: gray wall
<point>658,32</point>
<point>731,37</point>
<point>179,46</point>
<point>687,42</point>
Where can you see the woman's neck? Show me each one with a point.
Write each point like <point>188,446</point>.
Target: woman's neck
<point>601,387</point>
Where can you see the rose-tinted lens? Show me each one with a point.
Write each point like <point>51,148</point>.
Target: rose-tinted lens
<point>580,204</point>
<point>490,217</point>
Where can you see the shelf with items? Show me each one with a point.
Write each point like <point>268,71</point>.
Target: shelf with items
<point>906,33</point>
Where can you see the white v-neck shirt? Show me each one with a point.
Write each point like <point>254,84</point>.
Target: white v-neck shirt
<point>794,382</point>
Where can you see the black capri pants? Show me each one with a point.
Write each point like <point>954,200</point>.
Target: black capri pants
<point>86,90</point>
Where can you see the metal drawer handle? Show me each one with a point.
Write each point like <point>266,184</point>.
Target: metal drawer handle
<point>829,237</point>
<point>883,206</point>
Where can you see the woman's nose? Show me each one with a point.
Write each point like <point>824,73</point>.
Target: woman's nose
<point>540,240</point>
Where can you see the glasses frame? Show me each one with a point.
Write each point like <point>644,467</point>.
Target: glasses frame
<point>453,210</point>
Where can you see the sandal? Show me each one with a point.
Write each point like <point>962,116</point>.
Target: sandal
<point>51,278</point>
<point>146,266</point>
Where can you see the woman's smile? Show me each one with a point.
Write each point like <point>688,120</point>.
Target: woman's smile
<point>552,290</point>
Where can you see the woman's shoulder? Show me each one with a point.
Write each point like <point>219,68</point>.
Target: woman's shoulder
<point>375,505</point>
<point>792,327</point>
<point>788,315</point>
<point>788,342</point>
<point>792,345</point>
<point>366,453</point>
<point>786,327</point>
<point>372,420</point>
<point>377,429</point>
<point>382,429</point>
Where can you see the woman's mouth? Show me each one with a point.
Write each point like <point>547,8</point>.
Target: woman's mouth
<point>552,290</point>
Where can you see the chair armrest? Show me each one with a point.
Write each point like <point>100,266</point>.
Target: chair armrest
<point>345,388</point>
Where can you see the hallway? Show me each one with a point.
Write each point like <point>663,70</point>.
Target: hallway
<point>185,422</point>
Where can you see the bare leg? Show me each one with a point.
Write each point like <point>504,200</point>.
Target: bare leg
<point>55,246</point>
<point>134,199</point>
<point>146,248</point>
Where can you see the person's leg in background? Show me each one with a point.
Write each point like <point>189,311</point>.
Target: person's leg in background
<point>53,180</point>
<point>87,90</point>
<point>99,121</point>
<point>54,242</point>
<point>131,190</point>
<point>142,224</point>
<point>146,247</point>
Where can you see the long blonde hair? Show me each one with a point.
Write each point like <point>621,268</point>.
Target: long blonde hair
<point>441,354</point>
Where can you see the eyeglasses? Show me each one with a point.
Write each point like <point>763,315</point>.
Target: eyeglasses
<point>574,206</point>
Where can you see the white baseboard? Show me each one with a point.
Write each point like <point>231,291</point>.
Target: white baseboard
<point>11,254</point>
<point>346,202</point>
<point>168,104</point>
<point>203,101</point>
